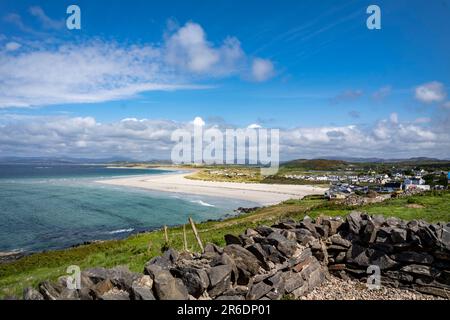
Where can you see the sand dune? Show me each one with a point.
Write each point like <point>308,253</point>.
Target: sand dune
<point>264,194</point>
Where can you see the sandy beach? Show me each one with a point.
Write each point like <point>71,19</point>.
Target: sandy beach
<point>263,194</point>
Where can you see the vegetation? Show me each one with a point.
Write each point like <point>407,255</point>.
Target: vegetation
<point>136,250</point>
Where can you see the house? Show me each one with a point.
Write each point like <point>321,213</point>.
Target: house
<point>416,184</point>
<point>391,187</point>
<point>414,181</point>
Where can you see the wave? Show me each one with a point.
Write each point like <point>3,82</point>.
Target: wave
<point>121,231</point>
<point>202,203</point>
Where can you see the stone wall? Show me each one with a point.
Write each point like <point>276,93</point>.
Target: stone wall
<point>288,259</point>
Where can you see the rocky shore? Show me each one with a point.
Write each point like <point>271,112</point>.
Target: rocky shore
<point>304,259</point>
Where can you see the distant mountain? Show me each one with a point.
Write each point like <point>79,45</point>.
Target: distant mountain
<point>68,160</point>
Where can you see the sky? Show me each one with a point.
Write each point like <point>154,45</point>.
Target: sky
<point>138,70</point>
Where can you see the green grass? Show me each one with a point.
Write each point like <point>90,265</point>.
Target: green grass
<point>136,250</point>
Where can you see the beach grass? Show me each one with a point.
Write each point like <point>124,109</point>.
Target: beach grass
<point>136,250</point>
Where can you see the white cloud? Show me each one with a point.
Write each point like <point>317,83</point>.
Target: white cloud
<point>346,96</point>
<point>148,139</point>
<point>262,69</point>
<point>430,92</point>
<point>394,118</point>
<point>254,126</point>
<point>198,121</point>
<point>98,71</point>
<point>382,93</point>
<point>12,46</point>
<point>45,20</point>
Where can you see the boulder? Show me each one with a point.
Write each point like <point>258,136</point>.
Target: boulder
<point>219,279</point>
<point>354,221</point>
<point>116,294</point>
<point>258,290</point>
<point>166,287</point>
<point>292,281</point>
<point>338,240</point>
<point>357,255</point>
<point>264,230</point>
<point>32,294</point>
<point>100,288</point>
<point>304,236</point>
<point>196,281</point>
<point>142,289</point>
<point>398,235</point>
<point>244,259</point>
<point>231,239</point>
<point>285,246</point>
<point>413,257</point>
<point>418,270</point>
<point>50,291</point>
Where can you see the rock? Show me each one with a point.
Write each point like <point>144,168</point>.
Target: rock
<point>311,227</point>
<point>336,267</point>
<point>322,231</point>
<point>304,236</point>
<point>264,230</point>
<point>285,246</point>
<point>32,294</point>
<point>398,235</point>
<point>370,232</point>
<point>231,239</point>
<point>316,278</point>
<point>357,255</point>
<point>354,222</point>
<point>142,289</point>
<point>99,289</point>
<point>212,248</point>
<point>257,250</point>
<point>115,294</point>
<point>332,224</point>
<point>273,255</point>
<point>94,275</point>
<point>427,236</point>
<point>219,279</point>
<point>166,287</point>
<point>50,291</point>
<point>166,261</point>
<point>246,262</point>
<point>196,281</point>
<point>304,255</point>
<point>382,260</point>
<point>278,283</point>
<point>120,277</point>
<point>418,270</point>
<point>231,298</point>
<point>338,240</point>
<point>441,292</point>
<point>257,291</point>
<point>293,280</point>
<point>340,257</point>
<point>413,257</point>
<point>393,221</point>
<point>445,238</point>
<point>400,276</point>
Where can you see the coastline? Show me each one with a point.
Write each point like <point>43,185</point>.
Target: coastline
<point>263,194</point>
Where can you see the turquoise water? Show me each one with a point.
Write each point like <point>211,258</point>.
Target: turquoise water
<point>52,207</point>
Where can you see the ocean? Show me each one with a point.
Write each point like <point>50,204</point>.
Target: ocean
<point>45,207</point>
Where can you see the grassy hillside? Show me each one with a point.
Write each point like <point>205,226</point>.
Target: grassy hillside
<point>136,250</point>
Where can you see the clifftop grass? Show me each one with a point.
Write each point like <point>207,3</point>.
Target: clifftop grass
<point>136,250</point>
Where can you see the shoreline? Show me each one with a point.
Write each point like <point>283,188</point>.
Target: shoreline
<point>177,183</point>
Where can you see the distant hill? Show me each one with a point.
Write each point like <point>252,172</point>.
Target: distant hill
<point>364,164</point>
<point>316,164</point>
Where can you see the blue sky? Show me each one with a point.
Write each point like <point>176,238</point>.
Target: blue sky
<point>302,66</point>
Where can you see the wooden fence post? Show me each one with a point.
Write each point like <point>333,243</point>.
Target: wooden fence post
<point>185,238</point>
<point>166,236</point>
<point>196,234</point>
